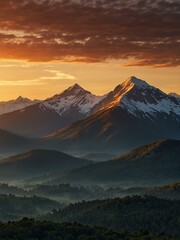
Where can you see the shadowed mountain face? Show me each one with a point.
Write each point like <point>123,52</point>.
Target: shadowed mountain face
<point>36,163</point>
<point>156,163</point>
<point>13,208</point>
<point>133,114</point>
<point>38,120</point>
<point>174,94</point>
<point>11,142</point>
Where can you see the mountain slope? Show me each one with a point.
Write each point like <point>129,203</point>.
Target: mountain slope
<point>38,120</point>
<point>37,162</point>
<point>170,191</point>
<point>10,142</point>
<point>13,208</point>
<point>174,94</point>
<point>130,214</point>
<point>153,164</point>
<point>133,114</point>
<point>17,104</point>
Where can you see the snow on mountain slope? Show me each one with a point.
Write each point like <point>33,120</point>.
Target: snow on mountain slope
<point>114,97</point>
<point>17,104</point>
<point>74,98</point>
<point>144,99</point>
<point>130,102</point>
<point>140,99</point>
<point>73,104</point>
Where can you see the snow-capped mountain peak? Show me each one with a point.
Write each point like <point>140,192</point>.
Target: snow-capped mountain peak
<point>143,100</point>
<point>74,99</point>
<point>140,99</point>
<point>114,98</point>
<point>133,81</point>
<point>17,104</point>
<point>74,90</point>
<point>75,87</point>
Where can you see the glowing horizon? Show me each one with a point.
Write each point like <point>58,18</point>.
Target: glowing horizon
<point>40,81</point>
<point>47,46</point>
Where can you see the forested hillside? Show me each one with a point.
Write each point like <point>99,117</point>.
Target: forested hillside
<point>13,208</point>
<point>34,230</point>
<point>131,214</point>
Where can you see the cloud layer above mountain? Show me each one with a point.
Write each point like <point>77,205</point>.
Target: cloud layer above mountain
<point>142,32</point>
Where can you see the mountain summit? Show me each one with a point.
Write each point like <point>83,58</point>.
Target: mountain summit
<point>75,88</point>
<point>140,99</point>
<point>146,101</point>
<point>74,100</point>
<point>114,98</point>
<point>133,81</point>
<point>17,104</point>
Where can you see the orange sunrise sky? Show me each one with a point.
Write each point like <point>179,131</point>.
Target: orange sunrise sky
<point>48,45</point>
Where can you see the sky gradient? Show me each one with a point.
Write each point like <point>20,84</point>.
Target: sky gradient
<point>48,45</point>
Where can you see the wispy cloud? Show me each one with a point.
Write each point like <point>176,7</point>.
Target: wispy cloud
<point>13,65</point>
<point>54,76</point>
<point>58,75</point>
<point>21,83</point>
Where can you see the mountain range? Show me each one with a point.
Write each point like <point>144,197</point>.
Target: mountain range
<point>78,122</point>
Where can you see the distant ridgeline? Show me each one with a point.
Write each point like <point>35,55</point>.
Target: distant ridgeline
<point>68,194</point>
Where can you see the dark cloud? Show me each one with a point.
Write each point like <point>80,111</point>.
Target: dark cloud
<point>145,32</point>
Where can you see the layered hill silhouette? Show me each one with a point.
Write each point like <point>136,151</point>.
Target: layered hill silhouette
<point>37,162</point>
<point>153,164</point>
<point>71,193</point>
<point>133,114</point>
